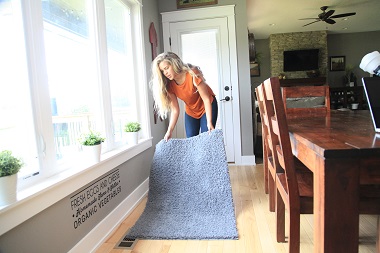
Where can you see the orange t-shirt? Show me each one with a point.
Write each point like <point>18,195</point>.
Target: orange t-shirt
<point>189,94</point>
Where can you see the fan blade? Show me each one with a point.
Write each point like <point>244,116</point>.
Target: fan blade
<point>311,23</point>
<point>328,14</point>
<point>344,15</point>
<point>308,18</point>
<point>330,21</point>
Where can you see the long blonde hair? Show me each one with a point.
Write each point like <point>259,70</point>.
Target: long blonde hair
<point>159,82</point>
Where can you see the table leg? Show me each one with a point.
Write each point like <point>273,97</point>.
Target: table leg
<point>336,205</point>
<point>378,235</point>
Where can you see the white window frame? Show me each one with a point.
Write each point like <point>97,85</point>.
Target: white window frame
<point>51,185</point>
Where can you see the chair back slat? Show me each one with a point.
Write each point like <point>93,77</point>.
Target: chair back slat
<point>304,91</point>
<point>275,126</point>
<point>307,100</point>
<point>280,155</point>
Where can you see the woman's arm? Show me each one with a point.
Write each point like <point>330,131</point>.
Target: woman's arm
<point>203,92</point>
<point>173,115</point>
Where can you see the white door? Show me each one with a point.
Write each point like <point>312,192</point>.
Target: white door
<point>206,43</point>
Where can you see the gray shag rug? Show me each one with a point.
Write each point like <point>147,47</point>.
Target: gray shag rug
<point>190,193</point>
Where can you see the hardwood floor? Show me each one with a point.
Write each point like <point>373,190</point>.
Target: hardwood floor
<point>256,225</point>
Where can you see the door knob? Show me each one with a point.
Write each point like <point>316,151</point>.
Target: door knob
<point>227,98</point>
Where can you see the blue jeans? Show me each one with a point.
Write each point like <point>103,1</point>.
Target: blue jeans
<point>192,125</point>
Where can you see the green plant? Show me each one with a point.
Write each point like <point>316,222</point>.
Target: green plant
<point>9,164</point>
<point>349,72</point>
<point>259,57</point>
<point>91,138</point>
<point>132,127</point>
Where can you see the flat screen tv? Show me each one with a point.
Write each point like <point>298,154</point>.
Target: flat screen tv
<point>301,60</point>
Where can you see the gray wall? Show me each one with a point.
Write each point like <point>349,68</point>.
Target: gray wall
<point>243,67</point>
<point>52,230</point>
<point>262,48</point>
<point>56,229</point>
<point>354,46</point>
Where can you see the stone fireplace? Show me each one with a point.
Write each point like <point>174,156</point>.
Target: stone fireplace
<point>278,43</point>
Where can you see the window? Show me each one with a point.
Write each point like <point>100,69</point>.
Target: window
<point>120,65</point>
<point>71,65</point>
<point>17,131</point>
<point>76,73</point>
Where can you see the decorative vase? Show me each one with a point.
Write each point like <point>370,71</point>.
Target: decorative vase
<point>132,138</point>
<point>8,189</point>
<point>92,153</point>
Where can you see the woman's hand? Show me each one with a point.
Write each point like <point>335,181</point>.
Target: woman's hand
<point>210,127</point>
<point>168,135</point>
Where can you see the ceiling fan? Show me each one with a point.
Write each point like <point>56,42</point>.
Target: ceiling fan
<point>327,16</point>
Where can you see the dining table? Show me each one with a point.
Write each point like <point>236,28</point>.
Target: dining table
<point>342,150</point>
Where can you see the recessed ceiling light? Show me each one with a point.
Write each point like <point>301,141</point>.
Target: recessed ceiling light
<point>345,28</point>
<point>345,19</point>
<point>272,24</point>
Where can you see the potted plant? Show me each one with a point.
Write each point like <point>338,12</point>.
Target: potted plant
<point>350,78</point>
<point>91,145</point>
<point>132,128</point>
<point>9,167</point>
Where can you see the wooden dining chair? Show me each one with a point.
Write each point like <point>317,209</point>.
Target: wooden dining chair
<point>293,181</point>
<point>269,172</point>
<point>301,100</point>
<point>294,188</point>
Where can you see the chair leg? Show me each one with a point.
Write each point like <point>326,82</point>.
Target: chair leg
<point>280,218</point>
<point>265,165</point>
<point>272,193</point>
<point>266,172</point>
<point>294,231</point>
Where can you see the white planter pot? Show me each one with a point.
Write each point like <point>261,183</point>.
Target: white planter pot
<point>132,138</point>
<point>92,153</point>
<point>8,189</point>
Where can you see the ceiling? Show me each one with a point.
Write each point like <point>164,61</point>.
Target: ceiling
<point>285,16</point>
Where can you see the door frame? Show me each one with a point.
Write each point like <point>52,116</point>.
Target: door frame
<point>227,11</point>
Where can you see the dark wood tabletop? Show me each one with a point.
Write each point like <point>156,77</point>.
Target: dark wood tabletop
<point>340,133</point>
<point>337,148</point>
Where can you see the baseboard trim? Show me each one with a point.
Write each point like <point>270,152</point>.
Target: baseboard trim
<point>248,160</point>
<point>99,234</point>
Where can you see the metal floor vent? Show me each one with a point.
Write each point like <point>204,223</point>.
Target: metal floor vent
<point>126,243</point>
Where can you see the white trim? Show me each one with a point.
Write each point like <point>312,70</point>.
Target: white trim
<point>199,13</point>
<point>99,234</point>
<point>139,58</point>
<point>35,199</point>
<point>139,2</point>
<point>235,89</point>
<point>248,160</point>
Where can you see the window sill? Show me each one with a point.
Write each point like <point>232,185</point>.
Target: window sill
<point>36,198</point>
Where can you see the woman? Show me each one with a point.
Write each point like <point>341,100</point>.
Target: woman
<point>172,79</point>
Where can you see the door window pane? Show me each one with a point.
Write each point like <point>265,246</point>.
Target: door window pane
<point>201,49</point>
<point>16,125</point>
